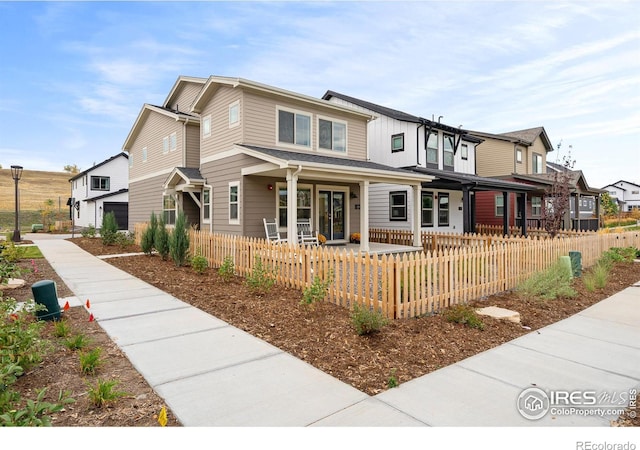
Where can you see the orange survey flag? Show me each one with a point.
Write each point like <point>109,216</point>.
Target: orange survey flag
<point>66,306</point>
<point>88,304</point>
<point>91,317</point>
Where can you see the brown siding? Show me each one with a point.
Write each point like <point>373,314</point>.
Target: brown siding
<point>155,128</point>
<point>184,96</point>
<point>222,137</point>
<point>191,210</point>
<point>193,146</point>
<point>495,157</point>
<point>145,197</point>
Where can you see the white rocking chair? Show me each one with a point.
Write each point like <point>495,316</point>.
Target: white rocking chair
<point>271,231</point>
<point>306,236</point>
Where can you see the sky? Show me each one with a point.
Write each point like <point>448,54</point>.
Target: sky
<point>74,75</point>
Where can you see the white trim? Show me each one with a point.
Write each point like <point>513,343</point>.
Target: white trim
<point>165,145</point>
<point>173,141</point>
<point>281,184</point>
<point>331,150</point>
<point>206,119</point>
<point>208,221</point>
<point>151,175</point>
<point>259,168</point>
<point>293,111</point>
<point>346,207</point>
<point>144,154</point>
<point>237,122</point>
<point>238,203</point>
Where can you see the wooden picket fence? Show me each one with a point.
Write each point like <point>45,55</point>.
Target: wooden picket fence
<point>409,284</point>
<point>492,230</point>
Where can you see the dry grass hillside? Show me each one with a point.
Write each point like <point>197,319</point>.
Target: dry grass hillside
<point>35,188</point>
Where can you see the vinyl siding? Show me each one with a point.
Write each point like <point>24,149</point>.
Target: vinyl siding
<point>145,197</point>
<point>495,157</point>
<point>192,145</point>
<point>222,137</point>
<point>184,96</point>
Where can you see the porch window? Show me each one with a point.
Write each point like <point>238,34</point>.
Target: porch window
<point>206,126</point>
<point>443,210</point>
<point>397,143</point>
<point>499,205</point>
<point>206,205</point>
<point>398,206</point>
<point>447,160</point>
<point>537,163</point>
<point>427,209</point>
<point>169,209</point>
<point>100,183</point>
<point>536,206</point>
<point>332,135</point>
<point>234,114</point>
<point>432,149</point>
<point>303,204</point>
<point>294,128</point>
<point>234,202</point>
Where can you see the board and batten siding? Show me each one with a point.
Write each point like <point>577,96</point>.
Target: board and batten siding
<point>222,137</point>
<point>155,128</point>
<point>145,197</point>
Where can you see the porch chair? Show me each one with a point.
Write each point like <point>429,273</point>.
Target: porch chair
<point>271,231</point>
<point>306,236</point>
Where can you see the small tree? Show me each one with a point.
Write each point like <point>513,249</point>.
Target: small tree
<point>47,213</point>
<point>609,205</point>
<point>558,197</point>
<point>179,241</point>
<point>161,239</point>
<point>109,229</point>
<point>72,168</point>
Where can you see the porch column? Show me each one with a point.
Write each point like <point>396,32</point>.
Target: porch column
<point>467,226</point>
<point>292,210</point>
<point>578,211</point>
<point>417,213</point>
<point>523,212</point>
<point>596,198</point>
<point>364,216</point>
<point>505,213</point>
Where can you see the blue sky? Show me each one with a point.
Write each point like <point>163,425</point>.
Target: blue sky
<point>74,75</point>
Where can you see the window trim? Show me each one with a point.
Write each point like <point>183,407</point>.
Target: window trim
<point>433,165</point>
<point>206,207</point>
<point>446,195</point>
<point>422,208</point>
<point>451,166</point>
<point>309,187</point>
<point>518,156</point>
<point>533,163</point>
<point>333,121</point>
<point>392,206</point>
<point>393,137</point>
<point>144,154</point>
<point>101,177</point>
<point>232,106</point>
<point>165,210</point>
<point>295,112</point>
<point>206,133</point>
<point>165,145</point>
<point>173,141</point>
<point>539,207</point>
<point>499,197</point>
<point>236,220</point>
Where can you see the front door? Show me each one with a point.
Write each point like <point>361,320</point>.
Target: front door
<point>331,221</point>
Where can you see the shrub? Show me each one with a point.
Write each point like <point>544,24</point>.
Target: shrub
<point>227,269</point>
<point>596,278</point>
<point>61,328</point>
<point>317,291</point>
<point>34,413</point>
<point>161,239</point>
<point>103,392</point>
<point>261,279</point>
<point>109,228</point>
<point>199,264</point>
<point>179,241</point>
<point>465,315</point>
<point>90,361</point>
<point>618,254</point>
<point>550,284</point>
<point>12,253</point>
<point>146,241</point>
<point>89,232</point>
<point>8,270</point>
<point>366,321</point>
<point>21,340</point>
<point>77,342</point>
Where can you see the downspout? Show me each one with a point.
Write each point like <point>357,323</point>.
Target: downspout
<point>418,142</point>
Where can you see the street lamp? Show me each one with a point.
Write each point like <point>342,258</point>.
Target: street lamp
<point>16,174</point>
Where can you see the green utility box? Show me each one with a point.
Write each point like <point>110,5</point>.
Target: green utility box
<point>45,293</point>
<point>566,262</point>
<point>576,263</point>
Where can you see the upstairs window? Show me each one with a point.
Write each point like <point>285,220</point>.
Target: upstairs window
<point>234,114</point>
<point>99,183</point>
<point>464,151</point>
<point>537,163</point>
<point>332,135</point>
<point>432,150</point>
<point>398,205</point>
<point>173,141</point>
<point>144,154</point>
<point>447,160</point>
<point>397,143</point>
<point>165,144</point>
<point>206,126</point>
<point>130,161</point>
<point>519,156</point>
<point>294,128</point>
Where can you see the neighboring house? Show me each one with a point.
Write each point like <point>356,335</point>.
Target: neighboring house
<point>627,194</point>
<point>398,139</point>
<point>246,151</point>
<point>101,189</point>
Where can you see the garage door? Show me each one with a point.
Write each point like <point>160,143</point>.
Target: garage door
<point>121,211</point>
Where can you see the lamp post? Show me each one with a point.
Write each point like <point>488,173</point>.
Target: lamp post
<point>16,174</point>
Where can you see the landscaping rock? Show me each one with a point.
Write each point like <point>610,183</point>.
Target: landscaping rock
<point>12,283</point>
<point>500,313</point>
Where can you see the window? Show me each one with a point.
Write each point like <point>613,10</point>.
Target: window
<point>206,204</point>
<point>172,141</point>
<point>427,209</point>
<point>635,192</point>
<point>206,126</point>
<point>537,163</point>
<point>130,161</point>
<point>536,206</point>
<point>519,156</point>
<point>234,203</point>
<point>294,128</point>
<point>99,183</point>
<point>443,210</point>
<point>332,135</point>
<point>144,154</point>
<point>464,151</point>
<point>398,205</point>
<point>397,143</point>
<point>169,209</point>
<point>303,204</point>
<point>234,114</point>
<point>499,205</point>
<point>165,144</point>
<point>432,150</point>
<point>447,160</point>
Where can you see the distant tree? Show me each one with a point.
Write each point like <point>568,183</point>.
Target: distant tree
<point>609,205</point>
<point>558,197</point>
<point>72,168</point>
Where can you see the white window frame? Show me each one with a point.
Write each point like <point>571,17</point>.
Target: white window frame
<point>536,206</point>
<point>333,123</point>
<point>535,167</point>
<point>165,145</point>
<point>173,141</point>
<point>130,161</point>
<point>306,187</point>
<point>519,155</point>
<point>400,148</point>
<point>392,206</point>
<point>206,126</point>
<point>144,154</point>
<point>206,206</point>
<point>101,177</point>
<point>234,220</point>
<point>452,152</point>
<point>165,211</point>
<point>499,203</point>
<point>234,120</point>
<point>436,148</point>
<point>295,112</point>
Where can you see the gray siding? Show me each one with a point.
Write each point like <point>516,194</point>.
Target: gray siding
<point>192,146</point>
<point>145,197</point>
<point>155,128</point>
<point>222,137</point>
<point>184,96</point>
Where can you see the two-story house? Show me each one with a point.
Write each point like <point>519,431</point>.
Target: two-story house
<point>399,139</point>
<point>625,193</point>
<point>260,152</point>
<point>101,189</point>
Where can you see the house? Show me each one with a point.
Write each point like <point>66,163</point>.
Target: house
<point>101,189</point>
<point>627,194</point>
<point>245,151</point>
<point>399,139</point>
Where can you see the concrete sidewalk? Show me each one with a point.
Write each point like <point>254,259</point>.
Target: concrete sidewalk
<point>213,374</point>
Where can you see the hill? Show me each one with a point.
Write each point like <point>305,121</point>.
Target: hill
<point>35,188</point>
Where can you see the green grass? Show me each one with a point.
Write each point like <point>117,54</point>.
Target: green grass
<point>548,285</point>
<point>32,252</point>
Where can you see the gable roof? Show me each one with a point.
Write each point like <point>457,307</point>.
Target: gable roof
<point>621,181</point>
<point>445,179</point>
<point>401,115</point>
<point>84,172</point>
<point>525,137</point>
<point>190,176</point>
<point>110,194</point>
<point>146,110</point>
<point>576,178</point>
<point>215,82</point>
<point>181,81</point>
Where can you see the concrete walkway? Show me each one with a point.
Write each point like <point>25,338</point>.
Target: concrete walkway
<point>213,374</point>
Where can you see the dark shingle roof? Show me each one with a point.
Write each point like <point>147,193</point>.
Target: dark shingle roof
<point>84,172</point>
<point>191,173</point>
<point>110,194</point>
<point>455,180</point>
